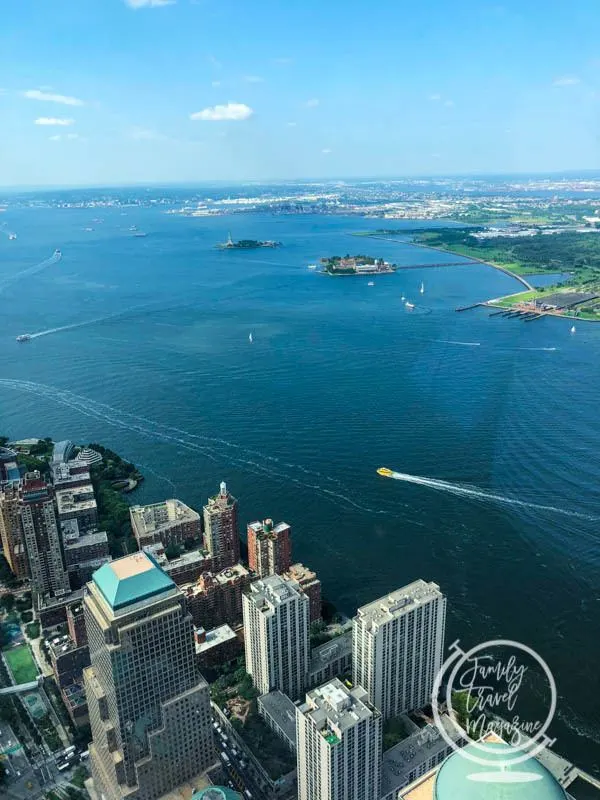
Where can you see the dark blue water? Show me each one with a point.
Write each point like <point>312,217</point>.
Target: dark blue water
<point>339,380</point>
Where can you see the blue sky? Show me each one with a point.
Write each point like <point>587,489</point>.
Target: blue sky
<point>125,91</point>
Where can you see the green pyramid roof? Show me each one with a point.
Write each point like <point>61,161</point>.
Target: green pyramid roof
<point>131,579</point>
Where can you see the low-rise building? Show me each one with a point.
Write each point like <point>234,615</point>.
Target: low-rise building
<point>330,660</point>
<point>216,599</point>
<point>279,713</point>
<point>414,756</point>
<point>83,553</point>
<point>52,611</point>
<point>70,475</point>
<point>78,503</point>
<point>216,647</point>
<point>76,624</point>
<point>310,585</point>
<point>68,660</point>
<point>170,522</point>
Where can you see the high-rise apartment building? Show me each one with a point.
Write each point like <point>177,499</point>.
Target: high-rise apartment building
<point>13,541</point>
<point>149,707</point>
<point>338,737</point>
<point>269,547</point>
<point>221,537</point>
<point>276,635</point>
<point>30,535</point>
<point>397,647</point>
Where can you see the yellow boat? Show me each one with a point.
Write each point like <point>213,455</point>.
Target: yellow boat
<point>387,473</point>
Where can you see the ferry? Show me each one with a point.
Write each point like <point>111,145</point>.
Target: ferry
<point>312,266</point>
<point>24,337</point>
<point>408,305</point>
<point>385,472</point>
<point>370,283</point>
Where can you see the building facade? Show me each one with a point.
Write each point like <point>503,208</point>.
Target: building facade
<point>269,547</point>
<point>398,644</point>
<point>338,745</point>
<point>216,599</point>
<point>42,538</point>
<point>221,535</point>
<point>169,523</point>
<point>276,635</point>
<point>11,531</point>
<point>149,707</point>
<point>310,585</point>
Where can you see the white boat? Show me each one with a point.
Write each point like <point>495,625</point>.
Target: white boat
<point>312,266</point>
<point>370,283</point>
<point>573,329</point>
<point>422,289</point>
<point>12,236</point>
<point>408,305</point>
<point>403,298</point>
<point>250,339</point>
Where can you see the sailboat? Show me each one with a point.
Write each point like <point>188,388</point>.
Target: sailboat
<point>250,339</point>
<point>422,289</point>
<point>573,329</point>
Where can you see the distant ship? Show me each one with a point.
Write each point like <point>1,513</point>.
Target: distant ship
<point>370,283</point>
<point>24,337</point>
<point>250,339</point>
<point>422,289</point>
<point>573,329</point>
<point>312,266</point>
<point>133,228</point>
<point>385,472</point>
<point>57,253</point>
<point>12,236</point>
<point>409,305</point>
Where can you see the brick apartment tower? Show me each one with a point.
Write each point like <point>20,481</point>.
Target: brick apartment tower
<point>269,547</point>
<point>221,536</point>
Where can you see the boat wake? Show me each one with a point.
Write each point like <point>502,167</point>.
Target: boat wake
<point>543,349</point>
<point>48,262</point>
<point>215,449</point>
<point>462,344</point>
<point>465,490</point>
<point>84,324</point>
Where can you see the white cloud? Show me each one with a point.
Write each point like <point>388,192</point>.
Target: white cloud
<point>59,137</point>
<point>566,80</point>
<point>253,79</point>
<point>448,103</point>
<point>326,151</point>
<point>435,97</point>
<point>282,61</point>
<point>216,84</point>
<point>148,3</point>
<point>312,103</point>
<point>292,124</point>
<point>48,97</point>
<point>144,135</point>
<point>53,121</point>
<point>231,111</point>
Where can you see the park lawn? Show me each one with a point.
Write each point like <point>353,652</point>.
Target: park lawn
<point>21,663</point>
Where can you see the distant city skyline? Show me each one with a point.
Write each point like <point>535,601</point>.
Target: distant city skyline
<point>121,92</point>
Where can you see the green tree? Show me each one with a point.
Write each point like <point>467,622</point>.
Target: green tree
<point>7,601</point>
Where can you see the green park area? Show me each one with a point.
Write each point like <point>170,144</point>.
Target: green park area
<point>21,663</point>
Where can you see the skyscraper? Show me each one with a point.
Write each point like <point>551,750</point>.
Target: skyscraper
<point>276,635</point>
<point>149,707</point>
<point>221,536</point>
<point>338,738</point>
<point>269,547</point>
<point>30,535</point>
<point>397,647</point>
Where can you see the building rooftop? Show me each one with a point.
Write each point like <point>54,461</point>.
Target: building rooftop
<point>131,579</point>
<point>331,651</point>
<point>400,602</point>
<point>148,519</point>
<point>399,761</point>
<point>61,451</point>
<point>75,498</point>
<point>216,637</point>
<point>74,695</point>
<point>266,529</point>
<point>87,539</point>
<point>298,572</point>
<point>221,501</point>
<point>334,709</point>
<point>281,709</point>
<point>216,793</point>
<point>271,591</point>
